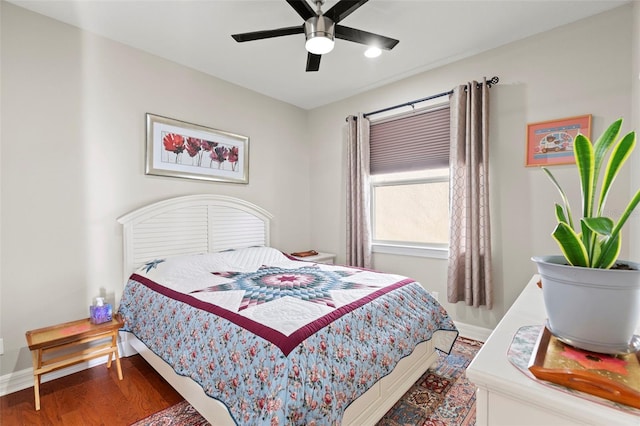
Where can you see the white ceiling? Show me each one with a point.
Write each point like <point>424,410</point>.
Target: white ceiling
<point>431,33</point>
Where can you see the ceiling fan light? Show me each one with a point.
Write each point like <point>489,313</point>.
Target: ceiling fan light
<point>319,45</point>
<point>372,52</point>
<point>319,32</point>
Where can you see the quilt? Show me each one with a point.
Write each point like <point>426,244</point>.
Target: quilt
<point>280,341</point>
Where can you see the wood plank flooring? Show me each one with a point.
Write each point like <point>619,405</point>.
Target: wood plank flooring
<point>93,397</point>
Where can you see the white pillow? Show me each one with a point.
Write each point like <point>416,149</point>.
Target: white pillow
<point>252,258</point>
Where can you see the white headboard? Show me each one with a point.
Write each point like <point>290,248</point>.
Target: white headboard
<point>191,224</point>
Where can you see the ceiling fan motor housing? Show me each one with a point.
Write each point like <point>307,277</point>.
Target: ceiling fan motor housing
<point>319,26</point>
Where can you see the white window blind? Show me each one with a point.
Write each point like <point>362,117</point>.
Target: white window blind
<point>417,141</point>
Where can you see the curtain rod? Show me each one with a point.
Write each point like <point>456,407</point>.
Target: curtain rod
<point>493,80</point>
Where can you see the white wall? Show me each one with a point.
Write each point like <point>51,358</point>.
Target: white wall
<point>73,137</point>
<point>582,68</point>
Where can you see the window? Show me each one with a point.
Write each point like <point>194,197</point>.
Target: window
<point>410,184</point>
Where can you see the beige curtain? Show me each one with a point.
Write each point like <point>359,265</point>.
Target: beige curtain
<point>469,274</point>
<point>358,205</point>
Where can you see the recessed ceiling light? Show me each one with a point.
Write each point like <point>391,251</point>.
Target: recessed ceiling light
<point>372,52</point>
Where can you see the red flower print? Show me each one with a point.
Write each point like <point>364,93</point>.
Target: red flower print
<point>327,398</point>
<point>262,375</point>
<point>274,405</point>
<point>386,360</point>
<point>219,155</point>
<point>194,147</point>
<point>233,157</point>
<point>208,145</point>
<point>173,143</point>
<point>595,361</point>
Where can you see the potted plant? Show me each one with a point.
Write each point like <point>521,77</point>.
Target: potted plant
<point>593,299</point>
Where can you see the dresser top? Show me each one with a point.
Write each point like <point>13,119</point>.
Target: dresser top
<point>491,369</point>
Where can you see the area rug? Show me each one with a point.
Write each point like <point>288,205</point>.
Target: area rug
<point>441,397</point>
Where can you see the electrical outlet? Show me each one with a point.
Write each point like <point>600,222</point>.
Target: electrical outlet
<point>1,346</point>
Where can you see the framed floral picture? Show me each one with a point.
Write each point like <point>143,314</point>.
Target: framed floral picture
<point>551,142</point>
<point>179,149</point>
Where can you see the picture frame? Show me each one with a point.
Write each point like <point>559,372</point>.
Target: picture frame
<point>180,149</point>
<point>551,142</point>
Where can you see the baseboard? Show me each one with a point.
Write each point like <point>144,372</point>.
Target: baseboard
<point>23,379</point>
<point>473,332</point>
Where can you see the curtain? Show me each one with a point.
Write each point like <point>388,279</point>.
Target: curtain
<point>469,273</point>
<point>358,193</point>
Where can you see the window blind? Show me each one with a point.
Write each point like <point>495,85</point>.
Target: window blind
<point>414,142</point>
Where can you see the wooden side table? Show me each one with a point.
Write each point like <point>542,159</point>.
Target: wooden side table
<point>50,342</point>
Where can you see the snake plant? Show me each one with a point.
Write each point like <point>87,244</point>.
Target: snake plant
<point>596,243</point>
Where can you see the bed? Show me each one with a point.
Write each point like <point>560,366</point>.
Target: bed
<point>205,301</point>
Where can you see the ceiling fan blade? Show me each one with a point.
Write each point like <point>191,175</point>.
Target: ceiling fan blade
<point>364,37</point>
<point>259,35</point>
<point>313,62</point>
<point>303,8</point>
<point>342,9</point>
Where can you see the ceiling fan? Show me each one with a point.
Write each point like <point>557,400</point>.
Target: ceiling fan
<point>321,28</point>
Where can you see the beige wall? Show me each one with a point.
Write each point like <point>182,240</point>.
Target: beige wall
<point>72,156</point>
<point>73,134</point>
<point>562,73</point>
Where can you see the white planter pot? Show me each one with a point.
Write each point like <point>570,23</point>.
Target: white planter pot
<point>593,309</point>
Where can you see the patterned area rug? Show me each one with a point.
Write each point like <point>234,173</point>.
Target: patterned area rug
<point>441,397</point>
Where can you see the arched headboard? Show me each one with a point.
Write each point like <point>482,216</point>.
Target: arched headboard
<point>191,224</point>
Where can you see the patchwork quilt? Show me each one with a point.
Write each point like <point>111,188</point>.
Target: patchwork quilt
<point>279,341</point>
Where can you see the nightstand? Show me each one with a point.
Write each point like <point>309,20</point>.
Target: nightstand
<point>55,342</point>
<point>328,258</point>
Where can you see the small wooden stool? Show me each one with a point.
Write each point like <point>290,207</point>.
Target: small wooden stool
<point>58,337</point>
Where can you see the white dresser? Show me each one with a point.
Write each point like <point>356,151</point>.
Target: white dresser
<point>506,396</point>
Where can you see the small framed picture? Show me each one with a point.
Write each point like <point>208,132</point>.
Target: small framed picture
<point>179,149</point>
<point>551,142</point>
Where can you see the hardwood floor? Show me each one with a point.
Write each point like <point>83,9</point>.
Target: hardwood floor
<point>93,397</point>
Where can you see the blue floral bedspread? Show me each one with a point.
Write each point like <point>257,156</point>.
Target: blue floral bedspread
<point>255,370</point>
